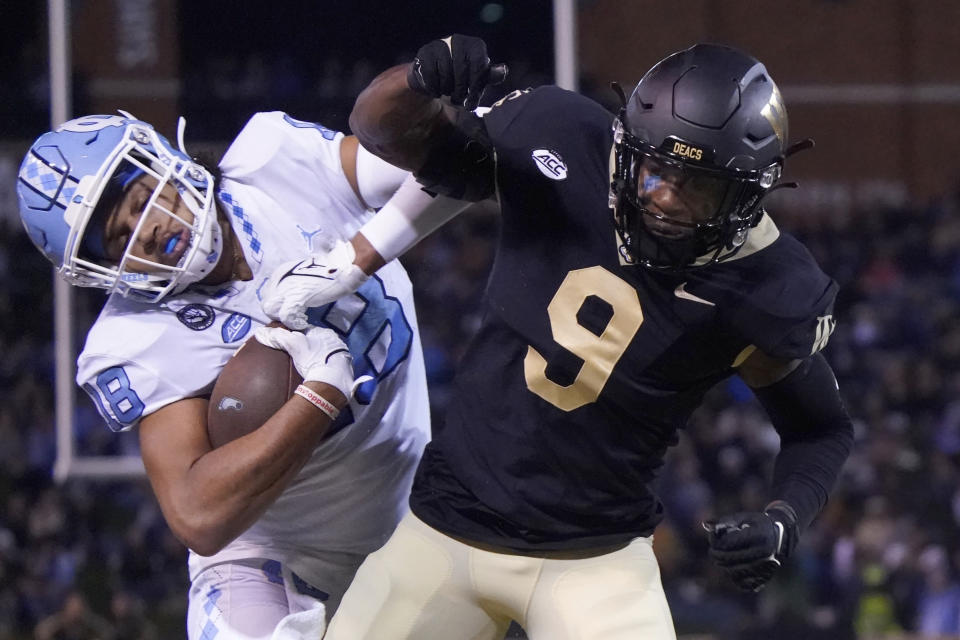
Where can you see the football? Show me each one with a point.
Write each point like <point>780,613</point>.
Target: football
<point>255,382</point>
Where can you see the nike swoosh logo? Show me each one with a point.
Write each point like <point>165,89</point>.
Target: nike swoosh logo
<point>682,293</point>
<point>312,269</point>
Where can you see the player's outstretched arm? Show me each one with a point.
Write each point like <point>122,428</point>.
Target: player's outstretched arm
<point>210,496</point>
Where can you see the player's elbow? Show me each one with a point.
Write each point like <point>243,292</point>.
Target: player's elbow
<point>395,123</point>
<point>370,123</point>
<point>199,533</point>
<point>383,143</point>
<point>360,125</point>
<point>205,551</point>
<point>205,545</point>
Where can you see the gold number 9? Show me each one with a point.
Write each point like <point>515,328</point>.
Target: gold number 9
<point>599,353</point>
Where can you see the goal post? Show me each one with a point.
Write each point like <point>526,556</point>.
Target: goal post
<point>68,462</point>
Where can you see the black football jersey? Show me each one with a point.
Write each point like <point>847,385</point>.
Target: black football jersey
<point>584,368</point>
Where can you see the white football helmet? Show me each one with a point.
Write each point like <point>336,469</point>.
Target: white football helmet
<point>67,172</point>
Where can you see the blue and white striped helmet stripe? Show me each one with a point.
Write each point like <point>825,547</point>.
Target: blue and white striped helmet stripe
<point>48,180</point>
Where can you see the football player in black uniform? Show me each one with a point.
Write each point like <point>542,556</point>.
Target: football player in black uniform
<point>636,268</point>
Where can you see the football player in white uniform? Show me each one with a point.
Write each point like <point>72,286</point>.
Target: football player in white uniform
<point>276,521</point>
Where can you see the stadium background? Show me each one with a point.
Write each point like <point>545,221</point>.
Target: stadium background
<point>875,82</point>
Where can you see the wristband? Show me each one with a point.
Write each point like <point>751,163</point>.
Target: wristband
<point>318,401</point>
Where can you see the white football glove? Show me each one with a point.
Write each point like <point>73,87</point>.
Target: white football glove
<point>318,354</point>
<point>314,281</point>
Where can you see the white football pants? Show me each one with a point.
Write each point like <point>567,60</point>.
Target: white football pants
<point>424,584</point>
<point>246,600</point>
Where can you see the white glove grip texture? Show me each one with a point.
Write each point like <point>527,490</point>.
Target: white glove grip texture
<point>317,280</point>
<point>318,354</point>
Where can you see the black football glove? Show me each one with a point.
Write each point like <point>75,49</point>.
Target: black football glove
<point>456,66</point>
<point>750,546</point>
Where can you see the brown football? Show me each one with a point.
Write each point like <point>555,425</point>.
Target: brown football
<point>255,382</point>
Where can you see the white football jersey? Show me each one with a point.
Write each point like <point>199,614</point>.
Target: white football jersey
<point>286,195</point>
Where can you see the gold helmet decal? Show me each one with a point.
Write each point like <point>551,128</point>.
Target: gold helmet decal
<point>776,115</point>
<point>687,151</point>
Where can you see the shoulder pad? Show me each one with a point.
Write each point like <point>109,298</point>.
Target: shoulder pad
<point>539,107</point>
<point>282,152</point>
<point>777,299</point>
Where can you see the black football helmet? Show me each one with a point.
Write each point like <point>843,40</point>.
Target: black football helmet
<point>709,125</point>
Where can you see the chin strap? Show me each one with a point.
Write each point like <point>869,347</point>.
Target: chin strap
<point>793,149</point>
<point>181,127</point>
<point>780,185</point>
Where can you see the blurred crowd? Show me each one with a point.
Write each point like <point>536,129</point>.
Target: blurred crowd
<point>93,558</point>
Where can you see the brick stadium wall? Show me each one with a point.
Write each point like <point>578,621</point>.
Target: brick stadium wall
<point>126,54</point>
<point>876,83</point>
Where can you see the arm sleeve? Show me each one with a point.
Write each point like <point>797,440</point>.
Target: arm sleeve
<point>409,216</point>
<point>816,436</point>
<point>377,179</point>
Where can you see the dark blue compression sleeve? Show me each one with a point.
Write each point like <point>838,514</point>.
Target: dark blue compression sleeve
<point>816,436</point>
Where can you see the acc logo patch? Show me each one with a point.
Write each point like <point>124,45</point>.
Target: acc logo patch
<point>197,316</point>
<point>550,164</point>
<point>235,327</point>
